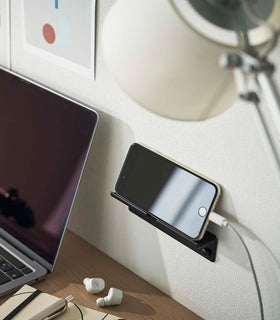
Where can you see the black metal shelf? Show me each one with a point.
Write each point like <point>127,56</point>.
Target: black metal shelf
<point>206,247</point>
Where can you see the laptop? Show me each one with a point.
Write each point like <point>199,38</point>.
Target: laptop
<point>44,143</point>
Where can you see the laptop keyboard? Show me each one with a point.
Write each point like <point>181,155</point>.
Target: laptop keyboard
<point>10,267</point>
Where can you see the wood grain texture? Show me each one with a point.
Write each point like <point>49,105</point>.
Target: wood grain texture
<point>78,260</point>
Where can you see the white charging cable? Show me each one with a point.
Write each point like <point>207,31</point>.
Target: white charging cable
<point>222,222</point>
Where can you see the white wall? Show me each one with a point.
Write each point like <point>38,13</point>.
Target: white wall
<point>226,149</point>
<point>4,32</point>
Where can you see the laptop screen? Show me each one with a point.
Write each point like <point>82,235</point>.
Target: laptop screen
<point>44,141</point>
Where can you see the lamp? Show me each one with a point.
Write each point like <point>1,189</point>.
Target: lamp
<point>162,62</point>
<point>165,53</point>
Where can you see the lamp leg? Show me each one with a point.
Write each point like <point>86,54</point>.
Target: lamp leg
<point>245,64</point>
<point>271,152</point>
<point>271,95</point>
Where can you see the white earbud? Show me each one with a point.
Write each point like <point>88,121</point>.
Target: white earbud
<point>114,298</point>
<point>94,285</point>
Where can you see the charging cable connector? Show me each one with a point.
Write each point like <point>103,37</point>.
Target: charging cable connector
<point>218,219</point>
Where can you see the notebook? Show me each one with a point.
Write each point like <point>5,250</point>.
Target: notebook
<point>44,143</point>
<point>44,299</point>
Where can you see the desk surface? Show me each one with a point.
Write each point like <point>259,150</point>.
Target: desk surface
<point>78,260</point>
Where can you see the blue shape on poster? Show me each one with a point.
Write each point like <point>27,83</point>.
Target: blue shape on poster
<point>64,30</point>
<point>56,4</point>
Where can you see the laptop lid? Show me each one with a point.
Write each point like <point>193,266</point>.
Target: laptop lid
<point>44,142</point>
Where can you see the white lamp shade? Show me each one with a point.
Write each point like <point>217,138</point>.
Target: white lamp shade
<point>162,63</point>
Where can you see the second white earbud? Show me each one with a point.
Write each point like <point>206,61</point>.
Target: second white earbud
<point>114,298</point>
<point>94,285</point>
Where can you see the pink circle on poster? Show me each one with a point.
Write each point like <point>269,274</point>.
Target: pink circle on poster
<point>49,33</point>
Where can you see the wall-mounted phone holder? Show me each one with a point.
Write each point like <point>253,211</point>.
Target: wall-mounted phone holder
<point>206,247</point>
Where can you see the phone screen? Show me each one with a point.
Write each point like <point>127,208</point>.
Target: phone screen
<point>169,192</point>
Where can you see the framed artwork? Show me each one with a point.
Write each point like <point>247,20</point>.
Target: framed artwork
<point>61,31</point>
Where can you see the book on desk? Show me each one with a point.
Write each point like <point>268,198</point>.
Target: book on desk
<point>73,311</point>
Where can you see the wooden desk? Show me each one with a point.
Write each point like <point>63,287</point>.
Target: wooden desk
<point>78,260</point>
